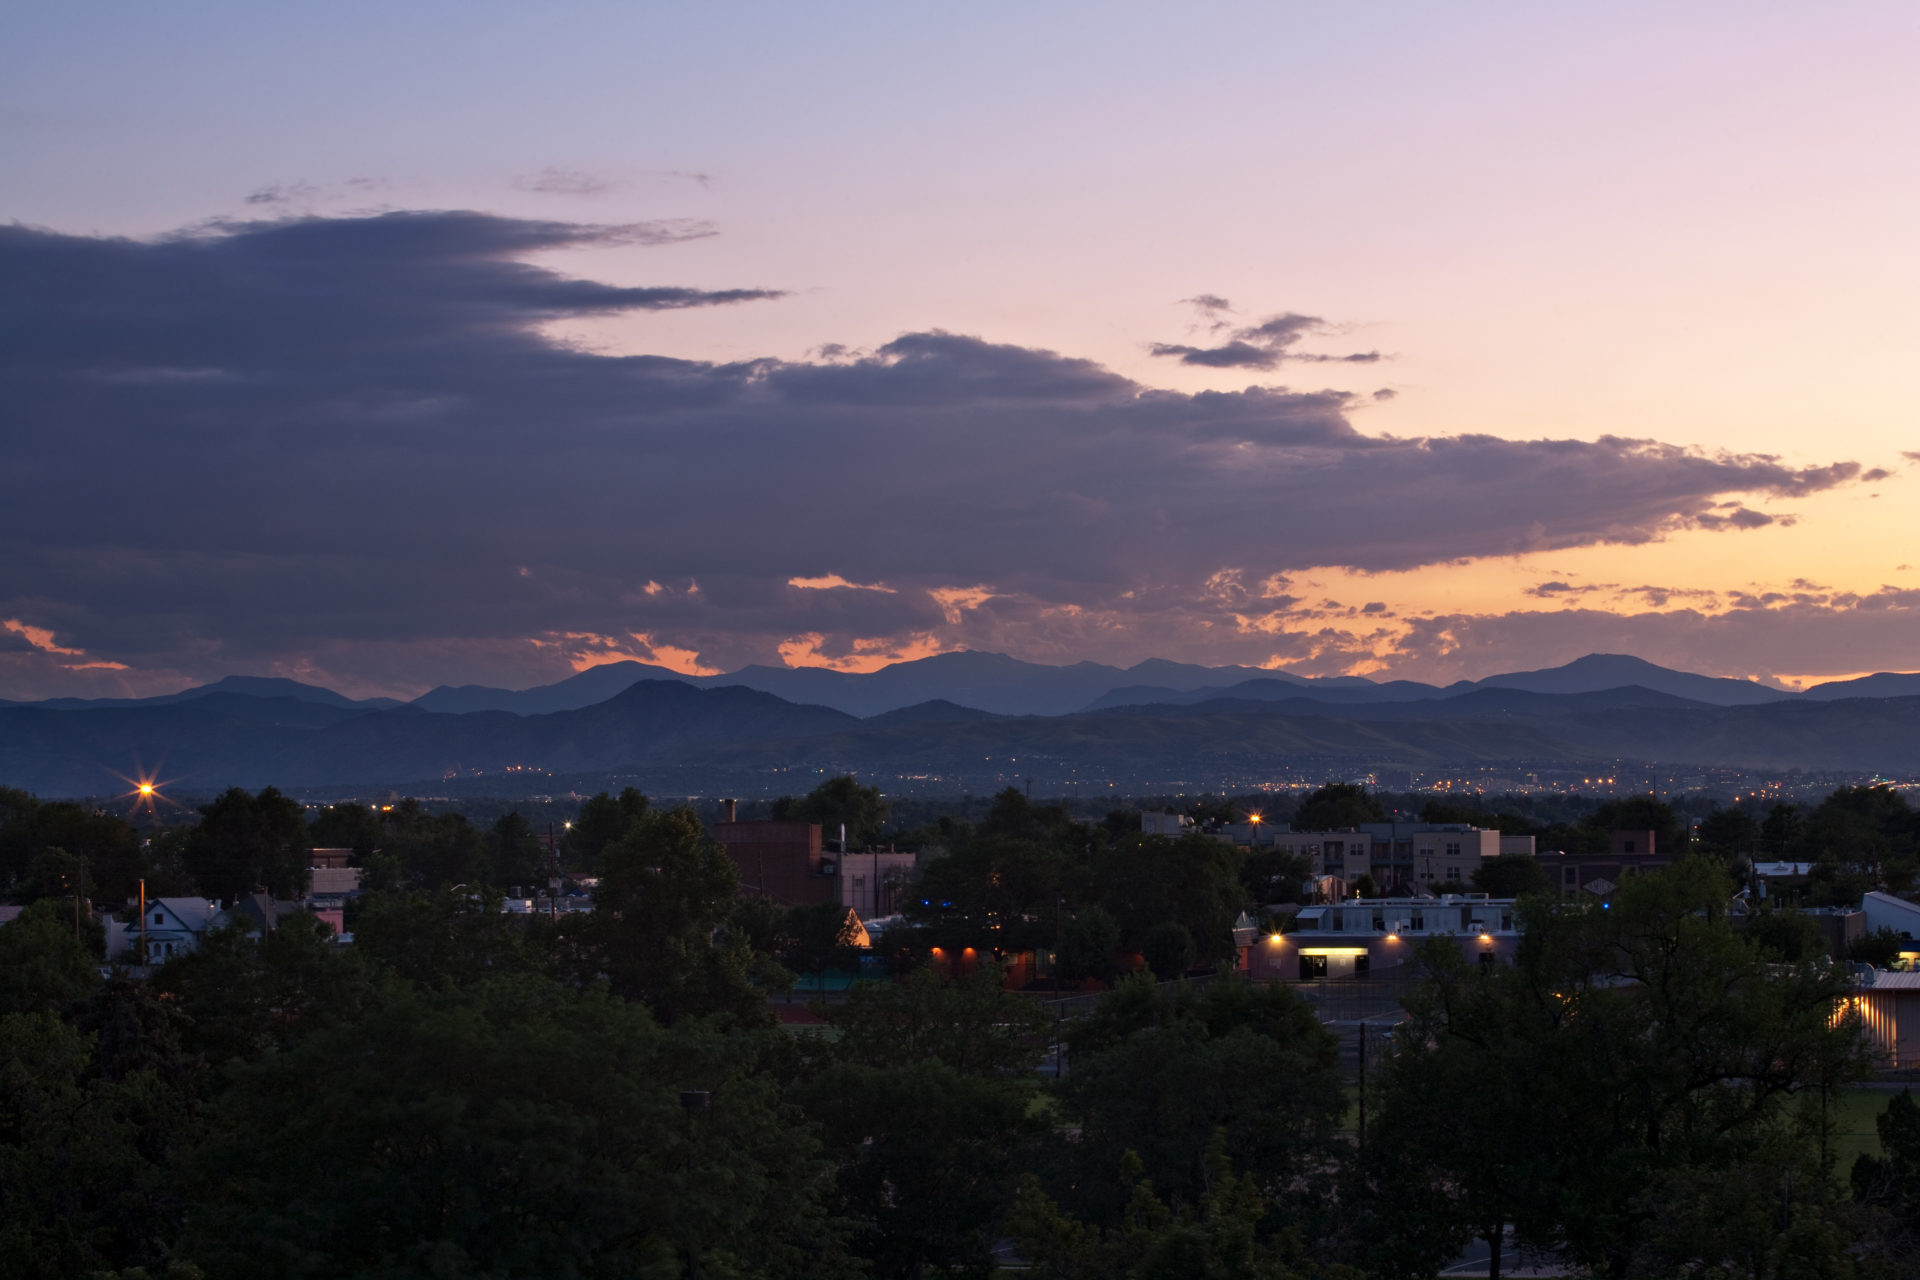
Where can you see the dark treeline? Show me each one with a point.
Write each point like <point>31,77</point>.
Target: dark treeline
<point>465,1092</point>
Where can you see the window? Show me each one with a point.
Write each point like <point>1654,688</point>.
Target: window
<point>1418,924</point>
<point>1506,922</point>
<point>1379,922</point>
<point>1361,963</point>
<point>1453,848</point>
<point>1453,873</point>
<point>1626,846</point>
<point>1312,967</point>
<point>158,918</point>
<point>1333,921</point>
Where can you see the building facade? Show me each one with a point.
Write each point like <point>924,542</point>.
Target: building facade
<point>1376,937</point>
<point>784,861</point>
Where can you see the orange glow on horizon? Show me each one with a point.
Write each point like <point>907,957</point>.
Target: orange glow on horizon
<point>40,638</point>
<point>866,655</point>
<point>831,581</point>
<point>590,649</point>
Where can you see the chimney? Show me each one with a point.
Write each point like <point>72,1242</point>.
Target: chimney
<point>728,810</point>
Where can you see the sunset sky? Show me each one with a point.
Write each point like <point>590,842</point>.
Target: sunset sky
<point>391,346</point>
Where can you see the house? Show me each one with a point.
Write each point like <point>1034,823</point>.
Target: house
<point>258,914</point>
<point>1172,825</point>
<point>171,927</point>
<point>1370,936</point>
<point>331,886</point>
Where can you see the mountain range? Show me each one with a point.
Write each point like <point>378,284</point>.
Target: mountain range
<point>1002,685</point>
<point>1136,728</point>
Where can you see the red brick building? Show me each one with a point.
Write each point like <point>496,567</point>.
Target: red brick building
<point>784,861</point>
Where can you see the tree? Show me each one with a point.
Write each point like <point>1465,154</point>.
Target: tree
<point>1780,831</point>
<point>1273,874</point>
<point>834,803</point>
<point>239,996</point>
<point>1645,813</point>
<point>347,826</point>
<point>1511,875</point>
<point>514,1128</point>
<point>927,1158</point>
<point>1784,934</point>
<point>818,937</point>
<point>1168,949</point>
<point>1225,1235</point>
<point>1336,807</point>
<point>83,1186</point>
<point>44,967</point>
<point>1193,881</point>
<point>1889,1183</point>
<point>55,873</point>
<point>513,852</point>
<point>103,844</point>
<point>970,1023</point>
<point>1629,1057</point>
<point>248,843</point>
<point>435,850</point>
<point>1157,1069</point>
<point>1730,834</point>
<point>665,890</point>
<point>1881,948</point>
<point>602,820</point>
<point>443,938</point>
<point>1088,940</point>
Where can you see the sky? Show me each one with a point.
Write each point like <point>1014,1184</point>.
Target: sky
<point>386,347</point>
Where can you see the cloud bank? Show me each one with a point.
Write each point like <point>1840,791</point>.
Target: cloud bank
<point>344,448</point>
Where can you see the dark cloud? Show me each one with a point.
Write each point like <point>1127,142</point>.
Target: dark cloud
<point>345,449</point>
<point>1546,590</point>
<point>1658,597</point>
<point>1266,345</point>
<point>1738,518</point>
<point>1385,393</point>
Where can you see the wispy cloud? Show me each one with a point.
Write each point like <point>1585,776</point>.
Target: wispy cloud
<point>1266,345</point>
<point>563,182</point>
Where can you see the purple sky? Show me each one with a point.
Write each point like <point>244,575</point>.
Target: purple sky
<point>479,343</point>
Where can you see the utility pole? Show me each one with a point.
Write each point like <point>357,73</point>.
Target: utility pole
<point>143,924</point>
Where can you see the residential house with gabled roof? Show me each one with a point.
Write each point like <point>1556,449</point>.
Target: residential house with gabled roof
<point>173,926</point>
<point>258,913</point>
